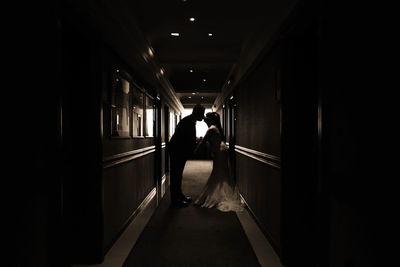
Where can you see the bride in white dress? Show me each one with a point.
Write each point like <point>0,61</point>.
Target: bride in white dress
<point>220,190</point>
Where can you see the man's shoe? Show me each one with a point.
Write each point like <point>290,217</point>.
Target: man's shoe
<point>179,203</point>
<point>186,199</point>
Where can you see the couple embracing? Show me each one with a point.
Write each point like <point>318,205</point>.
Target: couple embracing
<point>220,190</point>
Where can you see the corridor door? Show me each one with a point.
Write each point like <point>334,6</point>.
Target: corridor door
<point>157,141</point>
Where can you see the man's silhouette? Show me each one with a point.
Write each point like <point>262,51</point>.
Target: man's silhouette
<point>181,147</point>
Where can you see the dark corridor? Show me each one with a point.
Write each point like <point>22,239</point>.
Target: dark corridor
<point>100,86</point>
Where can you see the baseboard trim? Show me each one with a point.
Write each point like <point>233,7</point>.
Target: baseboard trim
<point>265,253</point>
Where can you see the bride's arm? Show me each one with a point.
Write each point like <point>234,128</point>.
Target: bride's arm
<point>205,147</point>
<point>211,142</point>
<point>214,142</point>
<point>201,149</point>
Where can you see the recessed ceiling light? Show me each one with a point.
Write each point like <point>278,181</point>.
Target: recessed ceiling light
<point>202,97</point>
<point>162,71</point>
<point>191,70</point>
<point>210,34</point>
<point>193,93</point>
<point>150,52</point>
<point>175,33</point>
<point>189,97</point>
<point>204,80</point>
<point>192,19</point>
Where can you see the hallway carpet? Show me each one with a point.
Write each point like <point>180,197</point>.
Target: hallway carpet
<point>192,236</point>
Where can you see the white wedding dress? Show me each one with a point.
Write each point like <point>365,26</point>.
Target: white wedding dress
<point>220,190</point>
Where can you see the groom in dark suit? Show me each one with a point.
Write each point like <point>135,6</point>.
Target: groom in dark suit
<point>181,147</point>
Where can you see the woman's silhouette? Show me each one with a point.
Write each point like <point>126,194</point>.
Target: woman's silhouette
<point>220,190</point>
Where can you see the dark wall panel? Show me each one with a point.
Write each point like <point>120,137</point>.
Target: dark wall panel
<point>81,146</point>
<point>258,108</point>
<point>125,186</point>
<point>258,128</point>
<point>259,184</point>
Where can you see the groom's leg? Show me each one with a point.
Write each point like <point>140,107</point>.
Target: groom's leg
<point>177,167</point>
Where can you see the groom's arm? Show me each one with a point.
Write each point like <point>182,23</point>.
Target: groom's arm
<point>185,136</point>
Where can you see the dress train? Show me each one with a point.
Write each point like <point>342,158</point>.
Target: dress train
<point>220,190</point>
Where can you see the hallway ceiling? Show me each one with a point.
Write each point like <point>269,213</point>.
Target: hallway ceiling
<point>196,64</point>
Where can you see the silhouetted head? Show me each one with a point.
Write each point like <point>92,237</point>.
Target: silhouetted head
<point>212,118</point>
<point>198,112</point>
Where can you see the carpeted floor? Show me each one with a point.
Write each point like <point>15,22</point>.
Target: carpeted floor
<point>192,236</point>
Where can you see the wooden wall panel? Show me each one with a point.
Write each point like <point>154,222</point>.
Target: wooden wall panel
<point>125,186</point>
<point>259,185</point>
<point>258,107</point>
<point>258,129</point>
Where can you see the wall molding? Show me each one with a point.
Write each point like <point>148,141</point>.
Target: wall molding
<point>271,160</point>
<point>127,156</point>
<point>261,154</point>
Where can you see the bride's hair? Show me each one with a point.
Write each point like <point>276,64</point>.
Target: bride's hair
<point>214,119</point>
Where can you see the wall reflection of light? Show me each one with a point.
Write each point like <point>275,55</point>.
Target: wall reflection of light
<point>149,121</point>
